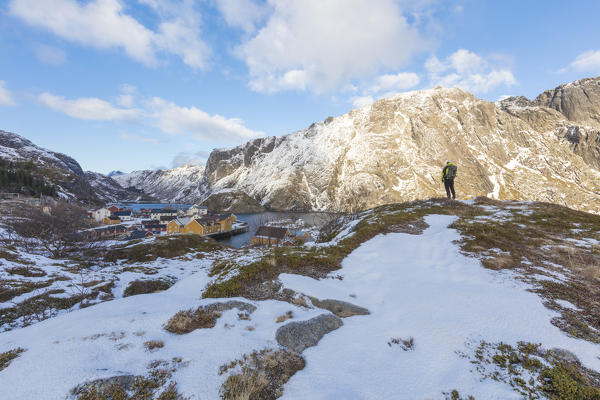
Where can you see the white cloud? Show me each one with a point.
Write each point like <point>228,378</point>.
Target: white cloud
<point>244,14</point>
<point>50,55</point>
<point>360,101</point>
<point>588,61</point>
<point>155,112</point>
<point>6,98</point>
<point>468,71</point>
<point>321,46</point>
<point>395,82</point>
<point>174,119</point>
<point>89,108</point>
<point>105,24</point>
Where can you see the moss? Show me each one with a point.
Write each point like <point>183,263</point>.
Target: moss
<point>7,357</point>
<point>537,373</point>
<point>163,247</point>
<point>146,286</point>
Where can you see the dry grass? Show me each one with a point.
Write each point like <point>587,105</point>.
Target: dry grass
<point>152,345</point>
<point>189,320</point>
<point>285,317</point>
<point>261,375</point>
<point>7,357</point>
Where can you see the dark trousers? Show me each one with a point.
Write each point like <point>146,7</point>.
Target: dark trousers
<point>449,185</point>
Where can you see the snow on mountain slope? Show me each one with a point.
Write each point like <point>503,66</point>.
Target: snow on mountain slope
<point>178,184</point>
<point>394,149</point>
<point>433,293</point>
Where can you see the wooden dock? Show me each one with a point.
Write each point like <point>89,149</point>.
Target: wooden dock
<point>233,232</point>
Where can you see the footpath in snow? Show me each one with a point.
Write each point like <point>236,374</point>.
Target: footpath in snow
<point>420,286</point>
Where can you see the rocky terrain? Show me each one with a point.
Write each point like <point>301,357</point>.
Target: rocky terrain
<point>63,171</point>
<point>233,201</point>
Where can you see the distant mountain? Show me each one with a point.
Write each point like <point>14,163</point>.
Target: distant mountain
<point>115,173</point>
<point>394,149</point>
<point>61,171</point>
<point>179,184</point>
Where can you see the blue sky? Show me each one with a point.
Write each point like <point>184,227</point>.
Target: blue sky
<point>143,84</point>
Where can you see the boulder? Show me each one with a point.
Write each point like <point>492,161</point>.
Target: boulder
<point>298,336</point>
<point>340,308</point>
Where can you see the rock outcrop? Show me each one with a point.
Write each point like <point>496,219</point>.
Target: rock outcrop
<point>297,336</point>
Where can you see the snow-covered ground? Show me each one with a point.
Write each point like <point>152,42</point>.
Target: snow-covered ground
<point>417,286</point>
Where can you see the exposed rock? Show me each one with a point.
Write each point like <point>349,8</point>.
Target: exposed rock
<point>340,308</point>
<point>231,304</point>
<point>579,101</point>
<point>298,336</point>
<point>102,385</point>
<point>233,201</point>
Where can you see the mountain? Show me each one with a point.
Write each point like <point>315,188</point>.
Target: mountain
<point>178,184</point>
<point>394,149</point>
<point>61,171</point>
<point>115,173</point>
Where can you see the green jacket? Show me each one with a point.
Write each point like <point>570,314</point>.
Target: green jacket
<point>444,170</point>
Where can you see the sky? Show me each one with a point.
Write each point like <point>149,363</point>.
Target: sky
<point>144,84</point>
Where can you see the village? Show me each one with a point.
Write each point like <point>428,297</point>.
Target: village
<point>123,223</point>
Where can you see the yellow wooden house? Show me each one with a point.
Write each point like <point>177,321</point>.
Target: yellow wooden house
<point>202,226</point>
<point>110,220</point>
<point>177,225</point>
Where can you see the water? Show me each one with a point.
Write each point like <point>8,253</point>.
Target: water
<point>299,223</point>
<point>138,206</point>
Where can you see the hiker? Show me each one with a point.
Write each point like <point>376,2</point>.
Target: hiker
<point>448,175</point>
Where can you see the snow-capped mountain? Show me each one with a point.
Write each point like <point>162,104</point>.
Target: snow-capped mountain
<point>394,149</point>
<point>63,171</point>
<point>178,184</point>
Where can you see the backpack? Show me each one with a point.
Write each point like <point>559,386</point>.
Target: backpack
<point>451,171</point>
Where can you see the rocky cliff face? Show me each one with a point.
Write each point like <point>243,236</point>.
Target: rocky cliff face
<point>63,171</point>
<point>394,150</point>
<point>178,184</point>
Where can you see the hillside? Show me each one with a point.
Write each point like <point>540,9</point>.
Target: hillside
<point>59,171</point>
<point>176,185</point>
<point>442,299</point>
<point>393,150</point>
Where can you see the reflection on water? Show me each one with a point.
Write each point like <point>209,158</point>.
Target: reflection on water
<point>299,223</point>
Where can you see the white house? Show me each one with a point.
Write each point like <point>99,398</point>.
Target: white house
<point>100,213</point>
<point>162,212</point>
<point>124,215</point>
<point>196,210</point>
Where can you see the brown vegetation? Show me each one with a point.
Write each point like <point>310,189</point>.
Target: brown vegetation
<point>190,320</point>
<point>261,375</point>
<point>146,286</point>
<point>8,356</point>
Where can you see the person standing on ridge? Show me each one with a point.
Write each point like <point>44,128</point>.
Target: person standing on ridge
<point>448,175</point>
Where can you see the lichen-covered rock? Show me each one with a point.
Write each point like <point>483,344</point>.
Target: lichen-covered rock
<point>340,308</point>
<point>297,336</point>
